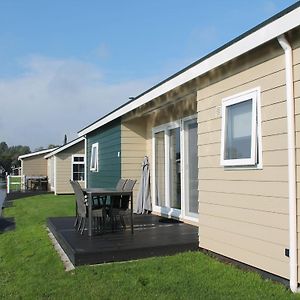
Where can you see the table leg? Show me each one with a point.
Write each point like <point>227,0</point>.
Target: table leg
<point>90,214</point>
<point>131,206</point>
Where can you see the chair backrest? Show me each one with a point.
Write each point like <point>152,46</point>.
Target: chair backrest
<point>129,184</point>
<point>120,184</point>
<point>81,208</point>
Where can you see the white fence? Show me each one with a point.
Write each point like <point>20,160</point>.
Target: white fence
<point>14,183</point>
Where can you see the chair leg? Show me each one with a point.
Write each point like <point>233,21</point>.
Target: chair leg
<point>93,224</point>
<point>99,223</point>
<point>76,221</point>
<point>122,221</point>
<point>83,226</point>
<point>79,224</point>
<point>113,221</point>
<point>95,219</point>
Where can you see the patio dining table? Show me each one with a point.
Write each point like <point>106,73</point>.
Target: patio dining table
<point>93,192</point>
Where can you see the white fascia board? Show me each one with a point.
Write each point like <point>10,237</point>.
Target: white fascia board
<point>64,147</point>
<point>249,42</point>
<point>36,153</point>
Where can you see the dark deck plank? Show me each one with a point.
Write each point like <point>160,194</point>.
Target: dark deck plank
<point>151,238</point>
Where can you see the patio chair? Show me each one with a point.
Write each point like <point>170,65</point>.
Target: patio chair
<point>120,205</point>
<point>120,184</point>
<point>98,215</point>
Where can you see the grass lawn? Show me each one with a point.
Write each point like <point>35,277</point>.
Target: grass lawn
<point>31,269</point>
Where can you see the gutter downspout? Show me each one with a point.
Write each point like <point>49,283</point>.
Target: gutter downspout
<point>291,162</point>
<point>85,162</point>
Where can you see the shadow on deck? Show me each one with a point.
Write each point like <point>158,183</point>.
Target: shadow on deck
<point>152,237</point>
<point>14,195</point>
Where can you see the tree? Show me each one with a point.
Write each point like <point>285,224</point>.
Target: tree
<point>38,149</point>
<point>50,146</point>
<point>9,155</point>
<point>65,139</point>
<point>3,147</point>
<point>15,152</point>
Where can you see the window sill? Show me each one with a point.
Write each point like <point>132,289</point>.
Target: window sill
<point>239,168</point>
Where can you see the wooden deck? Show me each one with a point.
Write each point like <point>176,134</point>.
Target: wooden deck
<point>153,236</point>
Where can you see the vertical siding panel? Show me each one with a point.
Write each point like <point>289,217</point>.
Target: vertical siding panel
<point>109,169</point>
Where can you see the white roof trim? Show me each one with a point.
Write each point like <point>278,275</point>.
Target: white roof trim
<point>66,146</point>
<point>36,153</point>
<point>249,42</point>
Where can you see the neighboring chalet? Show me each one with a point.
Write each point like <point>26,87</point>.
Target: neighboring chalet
<point>65,163</point>
<point>34,164</point>
<point>33,170</point>
<point>222,137</point>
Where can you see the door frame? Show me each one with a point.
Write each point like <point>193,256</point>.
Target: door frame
<point>167,210</point>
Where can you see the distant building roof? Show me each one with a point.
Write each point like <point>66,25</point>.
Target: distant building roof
<point>36,153</point>
<point>66,146</point>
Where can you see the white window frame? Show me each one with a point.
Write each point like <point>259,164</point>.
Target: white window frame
<point>94,157</point>
<point>167,210</point>
<point>255,159</point>
<point>78,163</point>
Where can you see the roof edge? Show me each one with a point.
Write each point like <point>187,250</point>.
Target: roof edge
<point>36,153</point>
<point>246,34</point>
<point>66,146</point>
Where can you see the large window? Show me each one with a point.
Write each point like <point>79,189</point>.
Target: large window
<point>240,142</point>
<point>94,158</point>
<point>78,167</point>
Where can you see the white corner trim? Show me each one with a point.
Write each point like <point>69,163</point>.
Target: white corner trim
<point>55,177</point>
<point>86,163</point>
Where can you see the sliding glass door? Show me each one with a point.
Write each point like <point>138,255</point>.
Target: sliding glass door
<point>159,139</point>
<point>176,168</point>
<point>191,168</point>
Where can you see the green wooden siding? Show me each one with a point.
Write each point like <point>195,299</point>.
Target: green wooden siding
<point>108,138</point>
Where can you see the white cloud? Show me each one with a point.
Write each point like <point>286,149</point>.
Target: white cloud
<point>53,97</point>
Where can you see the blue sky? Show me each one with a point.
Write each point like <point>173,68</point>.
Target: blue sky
<point>64,64</point>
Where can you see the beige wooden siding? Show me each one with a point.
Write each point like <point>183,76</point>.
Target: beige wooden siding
<point>64,168</point>
<point>296,61</point>
<point>244,213</point>
<point>133,150</point>
<point>136,129</point>
<point>35,166</point>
